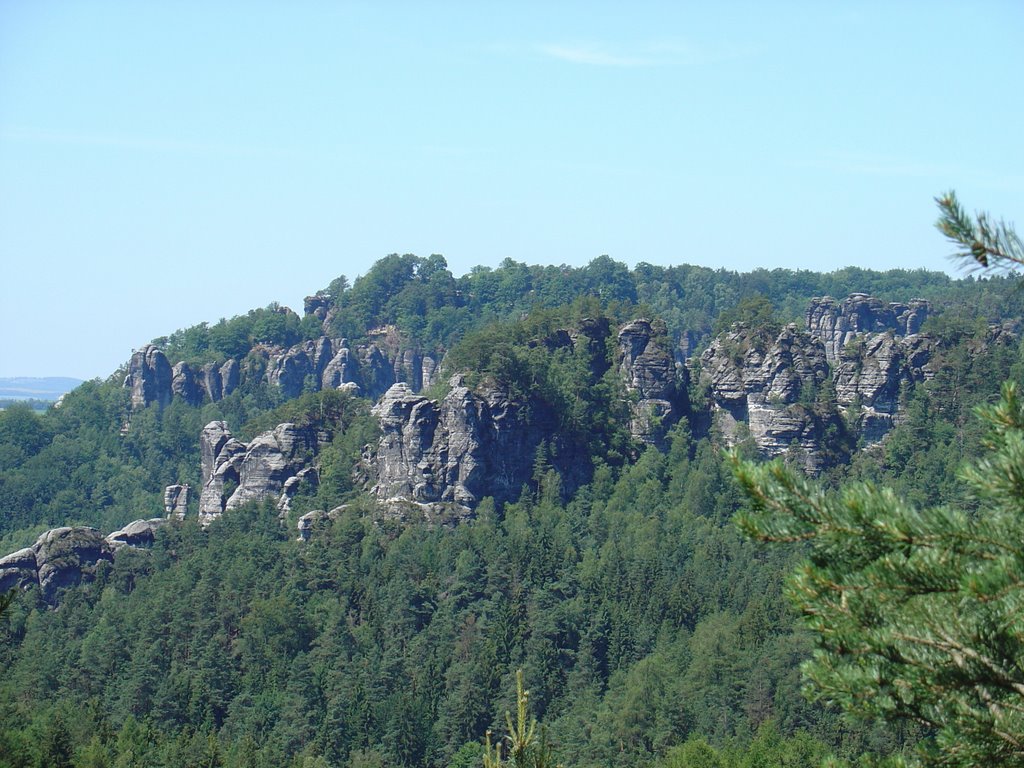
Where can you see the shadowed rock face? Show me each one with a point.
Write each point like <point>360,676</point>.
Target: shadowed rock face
<point>854,357</point>
<point>456,451</point>
<point>139,534</point>
<point>273,465</point>
<point>648,370</point>
<point>19,570</point>
<point>176,500</point>
<point>478,443</point>
<point>63,557</point>
<point>152,380</point>
<point>149,378</point>
<point>837,323</point>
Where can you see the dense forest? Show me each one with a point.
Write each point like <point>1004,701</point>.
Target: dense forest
<point>649,629</point>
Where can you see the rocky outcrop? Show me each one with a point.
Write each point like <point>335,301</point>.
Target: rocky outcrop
<point>64,557</point>
<point>317,305</point>
<point>299,366</point>
<point>185,385</point>
<point>309,521</point>
<point>274,465</point>
<point>152,380</point>
<point>854,358</point>
<point>770,391</point>
<point>872,372</point>
<point>456,451</point>
<point>138,534</point>
<point>648,370</point>
<point>18,570</point>
<point>837,323</point>
<point>176,499</point>
<point>149,378</point>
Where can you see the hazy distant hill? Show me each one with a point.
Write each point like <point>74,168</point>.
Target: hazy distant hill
<point>35,388</point>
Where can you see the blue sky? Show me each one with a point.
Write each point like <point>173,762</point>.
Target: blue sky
<point>163,164</point>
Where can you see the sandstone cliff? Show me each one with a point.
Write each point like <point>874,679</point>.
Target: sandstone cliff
<point>274,464</point>
<point>822,389</point>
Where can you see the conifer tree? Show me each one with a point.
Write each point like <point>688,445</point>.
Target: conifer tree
<point>918,614</point>
<point>526,749</point>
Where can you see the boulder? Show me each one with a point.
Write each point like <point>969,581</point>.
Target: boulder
<point>19,570</point>
<point>64,556</point>
<point>138,534</point>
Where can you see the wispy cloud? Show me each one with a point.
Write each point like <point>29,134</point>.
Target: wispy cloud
<point>645,54</point>
<point>594,56</point>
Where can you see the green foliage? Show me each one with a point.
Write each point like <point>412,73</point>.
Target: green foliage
<point>916,612</point>
<point>526,747</point>
<point>993,245</point>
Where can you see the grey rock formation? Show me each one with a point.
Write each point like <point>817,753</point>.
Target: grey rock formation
<point>220,458</point>
<point>176,500</point>
<point>149,378</point>
<point>300,365</point>
<point>212,383</point>
<point>456,451</point>
<point>138,534</point>
<point>19,570</point>
<point>429,370</point>
<point>870,374</point>
<point>855,357</point>
<point>306,524</point>
<point>343,368</point>
<point>771,393</point>
<point>836,324</point>
<point>317,305</point>
<point>274,465</point>
<point>230,376</point>
<point>307,479</point>
<point>65,555</point>
<point>185,385</point>
<point>648,369</point>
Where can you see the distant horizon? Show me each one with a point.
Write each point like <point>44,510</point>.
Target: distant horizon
<point>165,165</point>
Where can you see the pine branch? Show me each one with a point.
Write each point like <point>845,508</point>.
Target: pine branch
<point>993,245</point>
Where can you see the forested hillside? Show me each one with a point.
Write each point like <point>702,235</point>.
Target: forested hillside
<point>517,468</point>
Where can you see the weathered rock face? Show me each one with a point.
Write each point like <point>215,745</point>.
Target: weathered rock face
<point>152,380</point>
<point>274,465</point>
<point>138,534</point>
<point>306,362</point>
<point>317,305</point>
<point>870,374</point>
<point>176,499</point>
<point>149,378</point>
<point>185,385</point>
<point>456,451</point>
<point>648,369</point>
<point>836,324</point>
<point>855,357</point>
<point>65,555</point>
<point>19,570</point>
<point>773,391</point>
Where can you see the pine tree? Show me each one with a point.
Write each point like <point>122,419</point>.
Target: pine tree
<point>526,749</point>
<point>918,614</point>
